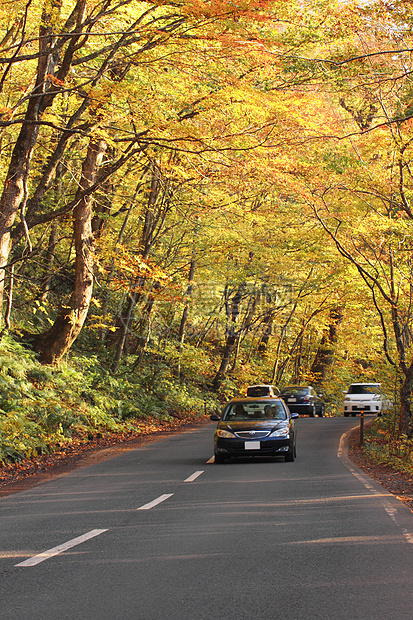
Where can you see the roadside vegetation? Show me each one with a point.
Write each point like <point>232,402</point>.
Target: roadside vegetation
<point>383,446</point>
<point>45,408</point>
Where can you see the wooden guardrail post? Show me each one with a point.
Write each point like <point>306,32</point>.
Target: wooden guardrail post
<point>362,427</point>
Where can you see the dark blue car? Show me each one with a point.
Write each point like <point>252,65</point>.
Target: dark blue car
<point>255,427</point>
<point>303,399</point>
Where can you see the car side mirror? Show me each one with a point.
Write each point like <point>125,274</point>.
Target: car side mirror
<point>294,416</point>
<point>215,417</point>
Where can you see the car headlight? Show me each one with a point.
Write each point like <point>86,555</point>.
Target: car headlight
<point>284,431</point>
<point>222,433</point>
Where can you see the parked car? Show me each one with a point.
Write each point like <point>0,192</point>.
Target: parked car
<point>260,391</point>
<point>367,397</point>
<point>255,427</point>
<point>303,399</point>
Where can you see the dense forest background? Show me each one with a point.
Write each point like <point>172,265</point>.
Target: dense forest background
<point>197,196</point>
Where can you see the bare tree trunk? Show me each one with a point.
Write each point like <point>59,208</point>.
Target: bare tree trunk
<point>15,194</point>
<point>9,305</point>
<point>156,210</point>
<point>226,357</point>
<point>298,358</point>
<point>246,324</point>
<point>53,344</point>
<point>104,207</point>
<point>184,319</point>
<point>126,321</point>
<point>233,311</point>
<point>390,298</point>
<point>405,404</point>
<point>267,331</point>
<point>15,190</point>
<point>325,353</point>
<point>50,258</point>
<point>276,372</point>
<point>113,266</point>
<point>279,368</point>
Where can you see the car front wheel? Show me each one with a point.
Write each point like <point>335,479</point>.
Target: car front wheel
<point>290,455</point>
<point>219,459</point>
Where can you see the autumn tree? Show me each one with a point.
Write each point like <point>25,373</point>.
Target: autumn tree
<point>54,343</point>
<point>359,187</point>
<point>115,71</point>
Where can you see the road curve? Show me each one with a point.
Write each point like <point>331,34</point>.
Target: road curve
<point>163,533</point>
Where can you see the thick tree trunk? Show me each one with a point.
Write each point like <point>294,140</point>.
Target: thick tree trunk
<point>405,415</point>
<point>400,327</point>
<point>15,194</point>
<point>15,190</point>
<point>53,344</point>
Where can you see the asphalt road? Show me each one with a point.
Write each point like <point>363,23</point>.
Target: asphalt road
<point>159,533</point>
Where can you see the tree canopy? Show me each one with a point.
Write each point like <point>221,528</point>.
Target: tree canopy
<point>222,181</point>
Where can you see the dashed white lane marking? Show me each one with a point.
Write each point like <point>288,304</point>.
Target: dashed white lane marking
<point>194,476</point>
<point>211,460</point>
<point>155,502</point>
<point>41,557</point>
<point>408,536</point>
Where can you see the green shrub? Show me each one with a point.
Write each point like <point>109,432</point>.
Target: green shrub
<point>382,446</point>
<point>43,407</point>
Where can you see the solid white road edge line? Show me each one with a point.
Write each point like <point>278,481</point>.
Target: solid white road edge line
<point>194,476</point>
<point>41,557</point>
<point>388,506</point>
<point>155,502</point>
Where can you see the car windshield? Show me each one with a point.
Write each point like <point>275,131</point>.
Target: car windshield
<point>255,411</point>
<point>299,391</point>
<point>256,391</point>
<point>372,388</point>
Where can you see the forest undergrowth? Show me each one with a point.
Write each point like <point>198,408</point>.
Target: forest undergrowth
<point>46,408</point>
<point>385,458</point>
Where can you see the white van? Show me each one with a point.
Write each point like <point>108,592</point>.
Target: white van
<point>366,397</point>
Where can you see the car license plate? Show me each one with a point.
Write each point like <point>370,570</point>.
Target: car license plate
<point>252,445</point>
<point>292,400</point>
